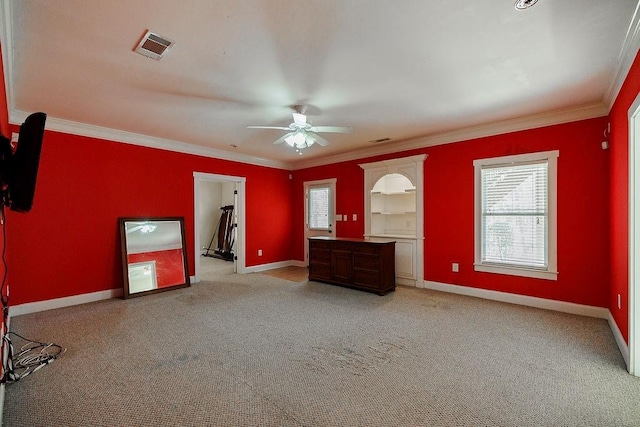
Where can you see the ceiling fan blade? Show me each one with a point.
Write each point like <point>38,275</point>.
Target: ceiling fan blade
<point>299,119</point>
<point>281,139</point>
<point>321,141</point>
<point>332,129</point>
<point>267,127</point>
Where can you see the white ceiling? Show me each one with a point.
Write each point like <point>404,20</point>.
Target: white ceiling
<point>415,71</point>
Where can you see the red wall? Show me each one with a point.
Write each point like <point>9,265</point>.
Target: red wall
<point>85,184</point>
<point>169,265</point>
<point>619,199</point>
<point>583,215</point>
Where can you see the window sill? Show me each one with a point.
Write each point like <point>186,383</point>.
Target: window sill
<point>517,271</point>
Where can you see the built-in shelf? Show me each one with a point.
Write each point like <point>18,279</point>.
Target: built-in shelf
<point>394,212</point>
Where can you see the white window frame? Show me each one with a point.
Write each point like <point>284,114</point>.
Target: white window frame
<point>551,272</point>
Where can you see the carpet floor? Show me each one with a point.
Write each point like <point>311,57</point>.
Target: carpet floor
<point>255,350</point>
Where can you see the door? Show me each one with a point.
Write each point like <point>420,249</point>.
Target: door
<point>319,210</point>
<point>233,192</point>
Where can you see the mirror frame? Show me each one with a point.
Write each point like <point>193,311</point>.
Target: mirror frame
<point>125,264</point>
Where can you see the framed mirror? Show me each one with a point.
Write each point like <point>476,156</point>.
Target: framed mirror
<point>154,256</point>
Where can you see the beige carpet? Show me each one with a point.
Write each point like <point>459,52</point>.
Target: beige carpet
<point>292,273</point>
<point>254,350</point>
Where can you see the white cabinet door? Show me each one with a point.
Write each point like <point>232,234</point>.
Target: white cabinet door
<point>405,259</point>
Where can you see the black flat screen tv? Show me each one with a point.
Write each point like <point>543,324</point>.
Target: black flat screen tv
<point>19,167</point>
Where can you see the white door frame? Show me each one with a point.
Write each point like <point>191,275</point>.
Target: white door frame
<point>634,238</point>
<point>331,182</point>
<point>240,264</point>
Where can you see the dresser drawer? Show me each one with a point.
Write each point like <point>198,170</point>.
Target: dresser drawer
<point>319,244</point>
<point>319,256</point>
<point>364,262</point>
<point>366,278</point>
<point>342,246</point>
<point>371,248</point>
<point>320,272</point>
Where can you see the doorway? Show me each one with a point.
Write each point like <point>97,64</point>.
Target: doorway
<point>634,238</point>
<point>211,192</point>
<point>319,211</point>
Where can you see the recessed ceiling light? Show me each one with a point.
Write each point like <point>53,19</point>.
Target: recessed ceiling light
<point>524,4</point>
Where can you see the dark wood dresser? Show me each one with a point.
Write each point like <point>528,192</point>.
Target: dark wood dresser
<point>354,263</point>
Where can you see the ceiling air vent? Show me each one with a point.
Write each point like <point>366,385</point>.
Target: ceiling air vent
<point>153,46</point>
<point>378,141</point>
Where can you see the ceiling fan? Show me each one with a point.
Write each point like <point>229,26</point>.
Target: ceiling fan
<point>302,134</point>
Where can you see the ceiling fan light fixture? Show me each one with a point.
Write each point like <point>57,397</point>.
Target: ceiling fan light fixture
<point>297,140</point>
<point>299,119</point>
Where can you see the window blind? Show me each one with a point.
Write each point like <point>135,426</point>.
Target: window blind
<point>319,207</point>
<point>514,214</point>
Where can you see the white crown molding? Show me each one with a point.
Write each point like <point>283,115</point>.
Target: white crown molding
<point>628,52</point>
<point>75,128</point>
<point>549,118</point>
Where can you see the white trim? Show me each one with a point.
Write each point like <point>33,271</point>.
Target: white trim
<point>628,52</point>
<point>6,34</point>
<point>273,265</point>
<point>547,304</point>
<point>536,121</point>
<point>634,238</point>
<point>551,273</point>
<point>332,231</point>
<point>622,345</point>
<point>516,271</point>
<point>34,307</point>
<point>241,218</point>
<point>92,131</point>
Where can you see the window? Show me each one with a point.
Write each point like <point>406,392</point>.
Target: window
<point>318,210</point>
<point>515,215</point>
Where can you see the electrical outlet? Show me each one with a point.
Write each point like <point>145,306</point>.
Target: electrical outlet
<point>455,267</point>
<point>259,252</point>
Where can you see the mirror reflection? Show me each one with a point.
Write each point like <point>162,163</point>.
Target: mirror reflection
<point>153,255</point>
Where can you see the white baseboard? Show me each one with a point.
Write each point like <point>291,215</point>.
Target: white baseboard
<point>547,304</point>
<point>33,307</point>
<point>272,265</point>
<point>622,344</point>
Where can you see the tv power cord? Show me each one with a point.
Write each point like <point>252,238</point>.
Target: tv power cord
<point>32,357</point>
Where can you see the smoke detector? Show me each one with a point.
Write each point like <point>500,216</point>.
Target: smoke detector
<point>524,4</point>
<point>153,45</point>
